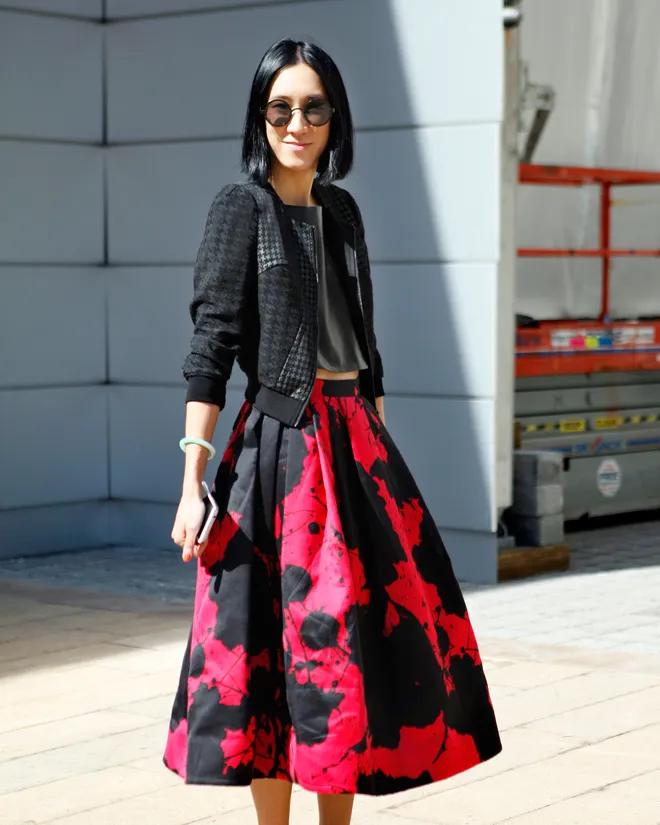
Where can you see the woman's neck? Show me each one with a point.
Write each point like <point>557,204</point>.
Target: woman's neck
<point>293,188</point>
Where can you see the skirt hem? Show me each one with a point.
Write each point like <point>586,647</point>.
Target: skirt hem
<point>332,790</point>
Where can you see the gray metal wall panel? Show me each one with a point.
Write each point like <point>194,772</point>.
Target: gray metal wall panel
<point>473,555</point>
<point>448,445</point>
<point>149,325</point>
<point>51,203</point>
<point>143,524</point>
<point>436,328</point>
<point>188,77</point>
<point>52,320</point>
<point>159,195</point>
<point>54,446</point>
<point>56,65</point>
<point>77,8</point>
<point>444,209</point>
<point>146,424</point>
<point>63,527</point>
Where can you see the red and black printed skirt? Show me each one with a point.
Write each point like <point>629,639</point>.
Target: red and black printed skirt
<point>330,644</point>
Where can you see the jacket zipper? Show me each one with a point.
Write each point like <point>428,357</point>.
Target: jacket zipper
<point>316,312</point>
<point>364,322</point>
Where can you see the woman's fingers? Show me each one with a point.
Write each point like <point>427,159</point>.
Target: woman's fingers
<point>200,548</point>
<point>188,545</point>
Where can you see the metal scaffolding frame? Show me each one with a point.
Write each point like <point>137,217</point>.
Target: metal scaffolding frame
<point>579,346</point>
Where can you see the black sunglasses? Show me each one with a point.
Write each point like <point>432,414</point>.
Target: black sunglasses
<point>316,112</point>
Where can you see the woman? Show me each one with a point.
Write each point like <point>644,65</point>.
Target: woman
<point>330,644</point>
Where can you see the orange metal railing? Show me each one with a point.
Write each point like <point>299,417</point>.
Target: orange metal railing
<point>569,347</point>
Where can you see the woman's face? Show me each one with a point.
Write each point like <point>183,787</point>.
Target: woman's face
<point>297,145</point>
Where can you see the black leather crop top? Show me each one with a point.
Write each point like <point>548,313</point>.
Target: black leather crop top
<point>339,349</point>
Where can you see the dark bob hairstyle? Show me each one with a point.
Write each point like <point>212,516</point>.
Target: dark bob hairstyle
<point>337,158</point>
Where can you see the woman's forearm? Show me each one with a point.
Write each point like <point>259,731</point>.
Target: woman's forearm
<point>201,419</point>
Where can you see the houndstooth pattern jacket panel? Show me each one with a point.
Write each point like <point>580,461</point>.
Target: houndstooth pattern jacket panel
<point>224,270</point>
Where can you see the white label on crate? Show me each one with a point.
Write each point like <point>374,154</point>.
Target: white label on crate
<point>608,477</point>
<point>562,337</point>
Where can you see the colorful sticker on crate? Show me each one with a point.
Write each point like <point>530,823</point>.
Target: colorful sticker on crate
<point>561,338</point>
<point>592,339</point>
<point>608,477</point>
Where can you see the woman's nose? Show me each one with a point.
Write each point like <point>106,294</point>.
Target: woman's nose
<point>297,122</point>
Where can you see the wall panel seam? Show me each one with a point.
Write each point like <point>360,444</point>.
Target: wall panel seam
<point>485,263</point>
<point>51,387</point>
<point>94,21</point>
<point>51,506</point>
<point>66,265</point>
<point>406,127</point>
<point>444,262</point>
<point>22,139</point>
<point>408,396</point>
<point>162,15</point>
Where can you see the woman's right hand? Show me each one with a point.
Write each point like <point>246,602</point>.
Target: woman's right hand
<point>188,523</point>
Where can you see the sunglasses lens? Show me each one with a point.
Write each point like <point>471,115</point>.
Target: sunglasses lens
<point>318,113</point>
<point>278,113</point>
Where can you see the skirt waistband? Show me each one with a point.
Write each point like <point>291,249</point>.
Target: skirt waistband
<point>285,409</point>
<point>342,388</point>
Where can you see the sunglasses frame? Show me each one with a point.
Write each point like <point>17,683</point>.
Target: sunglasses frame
<point>296,109</point>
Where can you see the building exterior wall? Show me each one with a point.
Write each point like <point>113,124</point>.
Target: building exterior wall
<point>425,82</point>
<point>53,405</point>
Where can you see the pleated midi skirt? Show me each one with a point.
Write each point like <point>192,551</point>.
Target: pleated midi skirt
<point>330,643</point>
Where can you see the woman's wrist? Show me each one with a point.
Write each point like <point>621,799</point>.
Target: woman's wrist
<point>192,488</point>
<point>196,461</point>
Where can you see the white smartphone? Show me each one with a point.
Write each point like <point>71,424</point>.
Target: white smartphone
<point>210,514</point>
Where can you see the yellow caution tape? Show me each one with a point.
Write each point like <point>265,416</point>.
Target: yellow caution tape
<point>580,425</point>
<point>609,423</point>
<point>576,425</point>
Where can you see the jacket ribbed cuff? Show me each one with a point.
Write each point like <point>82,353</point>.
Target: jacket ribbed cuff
<point>207,390</point>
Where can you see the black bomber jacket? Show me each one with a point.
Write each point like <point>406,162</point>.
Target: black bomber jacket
<point>255,298</point>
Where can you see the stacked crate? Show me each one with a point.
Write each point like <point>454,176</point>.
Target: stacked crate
<point>536,518</point>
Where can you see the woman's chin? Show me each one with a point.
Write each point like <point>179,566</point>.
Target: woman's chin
<point>293,164</point>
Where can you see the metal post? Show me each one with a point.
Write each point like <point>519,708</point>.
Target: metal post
<point>605,237</point>
<point>505,325</point>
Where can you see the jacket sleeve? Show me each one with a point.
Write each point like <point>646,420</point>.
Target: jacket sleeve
<point>369,302</point>
<point>225,265</point>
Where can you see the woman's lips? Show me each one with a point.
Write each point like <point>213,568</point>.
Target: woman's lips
<point>297,147</point>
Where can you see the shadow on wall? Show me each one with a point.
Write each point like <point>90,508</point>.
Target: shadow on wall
<point>433,302</point>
